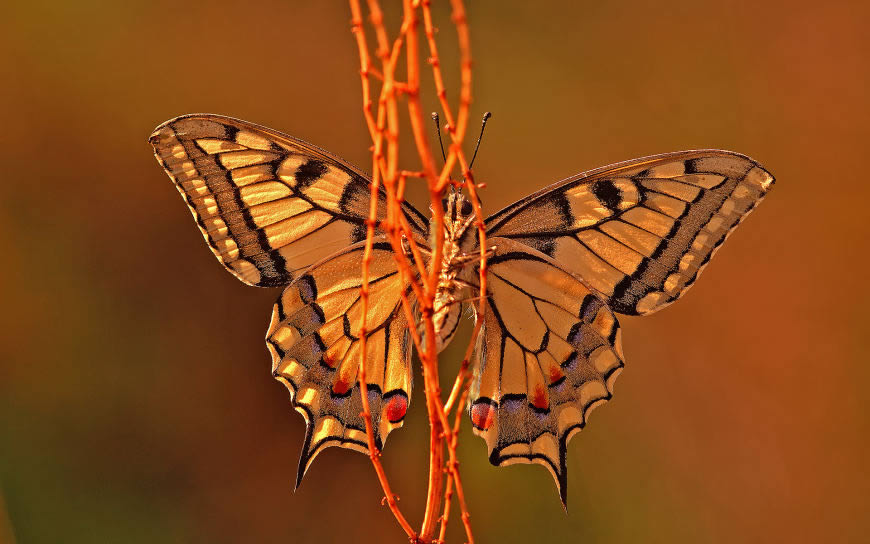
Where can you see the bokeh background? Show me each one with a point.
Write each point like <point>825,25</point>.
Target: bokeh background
<point>136,403</point>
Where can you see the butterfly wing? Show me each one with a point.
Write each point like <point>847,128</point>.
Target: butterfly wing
<point>268,205</point>
<point>316,353</point>
<point>548,353</point>
<point>639,232</point>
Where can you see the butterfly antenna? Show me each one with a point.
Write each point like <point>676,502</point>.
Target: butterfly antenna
<point>438,132</point>
<point>486,117</point>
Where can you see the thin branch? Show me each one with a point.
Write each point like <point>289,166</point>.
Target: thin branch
<point>376,131</point>
<point>419,268</point>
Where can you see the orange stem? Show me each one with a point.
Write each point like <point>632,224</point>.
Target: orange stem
<point>383,127</point>
<point>375,130</point>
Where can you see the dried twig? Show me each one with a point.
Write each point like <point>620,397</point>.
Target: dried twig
<point>420,274</point>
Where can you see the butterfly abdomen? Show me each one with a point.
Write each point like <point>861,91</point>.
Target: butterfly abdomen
<point>447,306</point>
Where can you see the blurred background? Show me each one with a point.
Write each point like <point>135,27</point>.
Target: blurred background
<point>136,403</point>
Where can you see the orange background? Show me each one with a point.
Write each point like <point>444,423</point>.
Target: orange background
<point>135,398</point>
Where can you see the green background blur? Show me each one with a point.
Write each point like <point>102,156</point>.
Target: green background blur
<point>136,403</point>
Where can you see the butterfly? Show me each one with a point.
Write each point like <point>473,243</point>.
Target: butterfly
<point>629,238</point>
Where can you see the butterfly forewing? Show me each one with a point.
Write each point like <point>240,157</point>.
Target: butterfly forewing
<point>313,339</point>
<point>641,231</point>
<point>549,351</point>
<point>268,204</point>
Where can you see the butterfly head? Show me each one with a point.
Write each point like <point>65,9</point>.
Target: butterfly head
<point>458,220</point>
<point>456,206</point>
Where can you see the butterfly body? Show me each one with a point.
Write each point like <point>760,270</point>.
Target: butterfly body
<point>628,238</point>
<point>456,272</point>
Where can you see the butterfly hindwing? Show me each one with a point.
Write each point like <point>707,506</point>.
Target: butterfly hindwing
<point>316,351</point>
<point>268,204</point>
<point>641,231</point>
<point>549,351</point>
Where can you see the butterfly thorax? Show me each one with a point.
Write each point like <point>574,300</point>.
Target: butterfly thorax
<point>458,251</point>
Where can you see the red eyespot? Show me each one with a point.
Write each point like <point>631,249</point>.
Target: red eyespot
<point>341,386</point>
<point>482,415</point>
<point>396,408</point>
<point>556,374</point>
<point>539,398</point>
